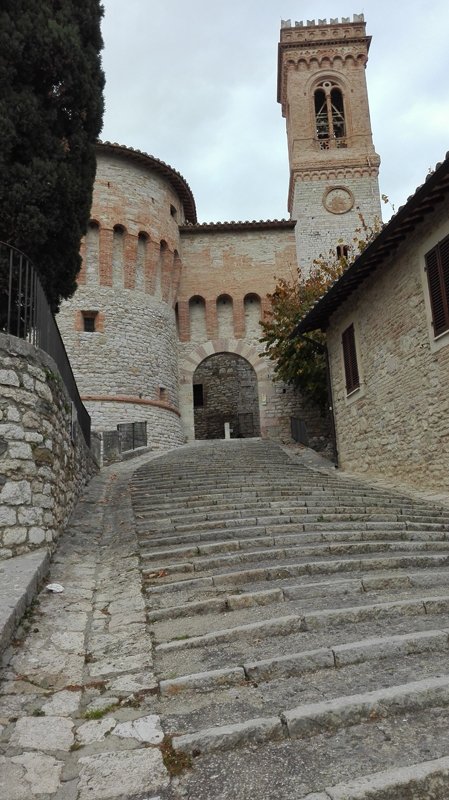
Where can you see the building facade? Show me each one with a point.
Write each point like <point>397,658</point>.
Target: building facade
<point>164,326</point>
<point>387,329</point>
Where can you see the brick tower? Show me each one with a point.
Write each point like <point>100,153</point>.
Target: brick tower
<point>333,165</point>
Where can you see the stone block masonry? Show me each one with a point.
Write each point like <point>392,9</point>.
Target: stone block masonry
<point>42,468</point>
<point>394,426</point>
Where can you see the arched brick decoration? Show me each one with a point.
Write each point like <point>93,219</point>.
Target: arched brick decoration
<point>235,346</point>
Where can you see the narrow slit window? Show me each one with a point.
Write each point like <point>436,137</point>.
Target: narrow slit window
<point>350,360</point>
<point>437,268</point>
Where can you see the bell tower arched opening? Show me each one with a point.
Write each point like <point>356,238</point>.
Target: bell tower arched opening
<point>225,390</point>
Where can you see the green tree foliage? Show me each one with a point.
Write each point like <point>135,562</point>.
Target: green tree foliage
<point>301,362</point>
<point>51,109</point>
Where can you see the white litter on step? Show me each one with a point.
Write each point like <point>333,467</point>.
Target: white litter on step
<point>54,587</point>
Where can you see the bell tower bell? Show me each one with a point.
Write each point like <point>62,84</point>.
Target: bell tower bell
<point>333,165</point>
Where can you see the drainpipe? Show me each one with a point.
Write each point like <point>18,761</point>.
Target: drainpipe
<point>322,348</point>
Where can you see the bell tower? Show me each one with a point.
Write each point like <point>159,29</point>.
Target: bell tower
<point>333,165</point>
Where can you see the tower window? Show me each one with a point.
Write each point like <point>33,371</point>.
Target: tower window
<point>89,321</point>
<point>329,116</point>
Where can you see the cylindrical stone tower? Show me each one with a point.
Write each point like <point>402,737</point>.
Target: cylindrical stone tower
<point>120,327</point>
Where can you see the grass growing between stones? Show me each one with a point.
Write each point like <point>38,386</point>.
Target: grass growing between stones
<point>175,762</point>
<point>98,713</point>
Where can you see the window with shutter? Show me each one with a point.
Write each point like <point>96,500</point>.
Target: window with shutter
<point>350,360</point>
<point>437,267</point>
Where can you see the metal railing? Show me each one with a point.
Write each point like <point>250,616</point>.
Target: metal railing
<point>25,313</point>
<point>333,143</point>
<point>132,435</point>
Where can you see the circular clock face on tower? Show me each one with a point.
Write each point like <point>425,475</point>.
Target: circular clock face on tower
<point>338,200</point>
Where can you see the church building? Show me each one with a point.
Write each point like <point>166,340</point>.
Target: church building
<point>164,326</point>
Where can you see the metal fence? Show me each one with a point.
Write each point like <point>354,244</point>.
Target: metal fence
<point>25,313</point>
<point>132,435</point>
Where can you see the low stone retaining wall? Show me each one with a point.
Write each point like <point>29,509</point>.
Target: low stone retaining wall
<point>44,460</point>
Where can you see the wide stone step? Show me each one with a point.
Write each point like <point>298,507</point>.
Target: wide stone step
<point>207,542</point>
<point>327,716</point>
<point>263,557</point>
<point>247,550</point>
<point>296,664</point>
<point>310,620</point>
<point>422,781</point>
<point>238,578</point>
<point>229,603</point>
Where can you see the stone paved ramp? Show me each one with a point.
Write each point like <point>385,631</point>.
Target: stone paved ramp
<point>78,715</point>
<point>276,631</point>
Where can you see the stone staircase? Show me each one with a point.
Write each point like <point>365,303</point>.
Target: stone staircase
<point>300,623</point>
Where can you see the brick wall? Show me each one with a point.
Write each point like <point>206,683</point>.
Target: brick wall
<point>243,265</point>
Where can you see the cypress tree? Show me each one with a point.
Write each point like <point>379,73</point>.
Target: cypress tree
<point>51,109</point>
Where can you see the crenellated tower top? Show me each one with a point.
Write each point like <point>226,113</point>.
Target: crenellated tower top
<point>333,164</point>
<point>320,41</point>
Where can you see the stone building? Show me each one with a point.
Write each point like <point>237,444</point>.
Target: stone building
<point>387,326</point>
<point>164,326</point>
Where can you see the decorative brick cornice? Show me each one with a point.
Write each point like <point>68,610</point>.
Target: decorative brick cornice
<point>221,227</point>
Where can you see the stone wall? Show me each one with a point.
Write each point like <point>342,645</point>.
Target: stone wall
<point>318,231</point>
<point>43,469</point>
<point>128,371</point>
<point>396,425</point>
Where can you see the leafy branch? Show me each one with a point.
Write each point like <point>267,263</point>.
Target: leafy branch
<point>299,362</point>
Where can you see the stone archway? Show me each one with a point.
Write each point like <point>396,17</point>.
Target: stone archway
<point>225,390</point>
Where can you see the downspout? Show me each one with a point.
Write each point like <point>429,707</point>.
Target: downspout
<point>322,348</point>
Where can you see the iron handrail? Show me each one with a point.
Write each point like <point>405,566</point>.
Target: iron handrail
<point>26,314</point>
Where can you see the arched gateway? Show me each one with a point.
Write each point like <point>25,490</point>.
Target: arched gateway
<point>244,358</point>
<point>225,391</point>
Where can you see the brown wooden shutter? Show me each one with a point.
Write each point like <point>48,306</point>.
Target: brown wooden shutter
<point>350,359</point>
<point>437,267</point>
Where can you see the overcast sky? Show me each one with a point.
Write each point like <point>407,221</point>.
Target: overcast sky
<point>194,84</point>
